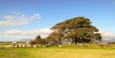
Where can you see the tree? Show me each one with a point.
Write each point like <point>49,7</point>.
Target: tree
<point>32,42</point>
<point>54,38</point>
<point>79,29</point>
<point>37,39</point>
<point>98,37</point>
<point>43,41</point>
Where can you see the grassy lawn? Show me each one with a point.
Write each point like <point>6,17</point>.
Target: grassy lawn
<point>56,53</point>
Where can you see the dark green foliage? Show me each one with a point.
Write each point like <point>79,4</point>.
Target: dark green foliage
<point>43,41</point>
<point>55,38</point>
<point>32,42</point>
<point>79,29</point>
<point>37,39</point>
<point>97,36</point>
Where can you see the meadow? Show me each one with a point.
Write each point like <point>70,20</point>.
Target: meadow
<point>56,52</point>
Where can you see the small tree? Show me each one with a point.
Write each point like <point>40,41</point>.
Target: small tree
<point>32,42</point>
<point>43,41</point>
<point>37,39</point>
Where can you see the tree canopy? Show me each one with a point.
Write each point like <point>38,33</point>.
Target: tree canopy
<point>37,39</point>
<point>78,29</point>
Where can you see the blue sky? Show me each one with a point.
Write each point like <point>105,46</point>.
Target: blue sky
<point>37,16</point>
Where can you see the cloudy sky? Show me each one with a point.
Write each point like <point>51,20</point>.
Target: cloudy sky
<point>20,19</point>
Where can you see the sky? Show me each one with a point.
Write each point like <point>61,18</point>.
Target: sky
<point>23,19</point>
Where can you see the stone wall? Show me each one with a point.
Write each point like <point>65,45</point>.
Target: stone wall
<point>27,45</point>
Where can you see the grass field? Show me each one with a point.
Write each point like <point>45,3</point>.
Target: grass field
<point>56,53</point>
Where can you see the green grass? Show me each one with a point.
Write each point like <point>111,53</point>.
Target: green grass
<point>55,52</point>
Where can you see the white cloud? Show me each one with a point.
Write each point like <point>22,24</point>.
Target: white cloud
<point>17,19</point>
<point>107,34</point>
<point>43,32</point>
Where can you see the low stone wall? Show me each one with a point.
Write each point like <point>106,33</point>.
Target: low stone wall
<point>28,45</point>
<point>21,45</point>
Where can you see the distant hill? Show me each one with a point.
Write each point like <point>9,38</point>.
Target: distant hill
<point>25,40</point>
<point>111,40</point>
<point>108,39</point>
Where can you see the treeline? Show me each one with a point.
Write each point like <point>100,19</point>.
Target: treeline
<point>75,30</point>
<point>38,40</point>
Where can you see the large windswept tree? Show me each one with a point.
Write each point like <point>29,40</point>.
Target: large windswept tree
<point>78,29</point>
